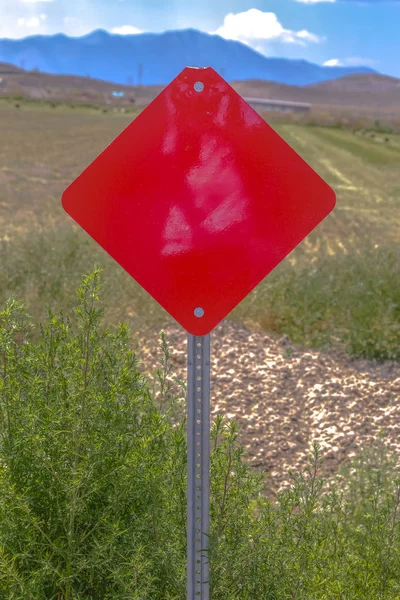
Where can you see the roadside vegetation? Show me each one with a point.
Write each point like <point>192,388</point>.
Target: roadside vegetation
<point>93,483</point>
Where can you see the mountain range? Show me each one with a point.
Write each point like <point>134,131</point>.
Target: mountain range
<point>151,58</point>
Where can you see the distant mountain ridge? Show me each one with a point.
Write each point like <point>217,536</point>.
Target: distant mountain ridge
<point>367,90</point>
<point>155,59</point>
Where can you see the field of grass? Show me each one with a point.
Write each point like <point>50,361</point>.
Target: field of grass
<point>340,287</point>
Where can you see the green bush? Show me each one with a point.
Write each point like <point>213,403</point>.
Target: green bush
<point>93,485</point>
<point>90,468</point>
<point>319,542</point>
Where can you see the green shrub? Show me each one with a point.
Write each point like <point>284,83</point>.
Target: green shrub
<point>93,485</point>
<point>89,465</point>
<point>319,542</point>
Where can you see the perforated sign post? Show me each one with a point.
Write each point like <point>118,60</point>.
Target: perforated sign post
<point>198,199</point>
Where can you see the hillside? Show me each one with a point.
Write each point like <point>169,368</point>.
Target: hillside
<point>363,89</point>
<point>366,89</point>
<point>68,88</point>
<point>156,58</point>
<point>7,69</point>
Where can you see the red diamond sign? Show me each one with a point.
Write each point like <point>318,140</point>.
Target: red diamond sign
<point>198,199</point>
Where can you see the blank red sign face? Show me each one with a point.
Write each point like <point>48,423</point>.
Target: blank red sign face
<point>198,199</point>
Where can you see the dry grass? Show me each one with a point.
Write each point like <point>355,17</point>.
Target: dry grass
<point>346,117</point>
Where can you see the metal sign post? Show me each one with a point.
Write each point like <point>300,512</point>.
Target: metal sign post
<point>198,462</point>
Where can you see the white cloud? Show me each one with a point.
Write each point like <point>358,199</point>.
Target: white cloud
<point>34,1</point>
<point>308,37</point>
<point>126,30</point>
<point>333,62</point>
<point>355,61</point>
<point>33,22</point>
<point>255,27</point>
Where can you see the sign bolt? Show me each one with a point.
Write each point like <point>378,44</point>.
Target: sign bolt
<point>199,86</point>
<point>199,312</point>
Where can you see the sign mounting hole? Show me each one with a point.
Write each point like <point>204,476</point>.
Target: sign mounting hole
<point>199,86</point>
<point>199,312</point>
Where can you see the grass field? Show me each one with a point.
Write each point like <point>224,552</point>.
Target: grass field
<point>340,287</point>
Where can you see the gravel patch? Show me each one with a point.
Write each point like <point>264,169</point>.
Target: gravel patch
<point>284,397</point>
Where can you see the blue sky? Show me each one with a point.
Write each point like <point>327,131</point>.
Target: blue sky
<point>332,32</point>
